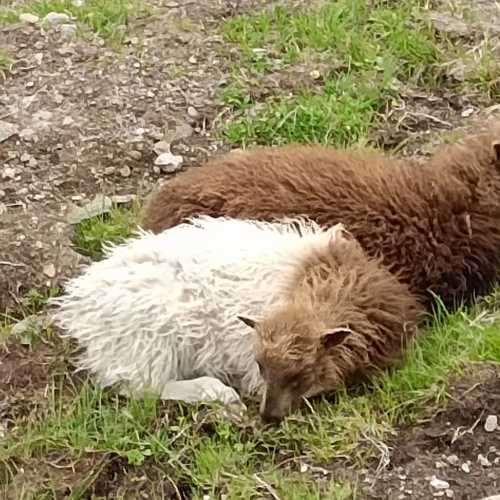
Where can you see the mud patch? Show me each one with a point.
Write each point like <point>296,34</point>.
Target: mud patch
<point>27,374</point>
<point>96,475</point>
<point>450,447</point>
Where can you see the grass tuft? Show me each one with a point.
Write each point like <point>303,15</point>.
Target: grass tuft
<point>91,235</point>
<point>107,18</point>
<point>369,49</point>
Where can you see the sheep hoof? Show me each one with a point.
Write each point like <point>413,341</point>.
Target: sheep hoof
<point>200,390</point>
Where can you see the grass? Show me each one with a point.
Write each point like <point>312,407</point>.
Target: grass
<point>112,227</point>
<point>107,18</point>
<point>366,49</point>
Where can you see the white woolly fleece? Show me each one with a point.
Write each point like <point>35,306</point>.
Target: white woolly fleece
<point>163,308</point>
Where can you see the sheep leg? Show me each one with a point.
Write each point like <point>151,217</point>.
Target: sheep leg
<point>200,390</point>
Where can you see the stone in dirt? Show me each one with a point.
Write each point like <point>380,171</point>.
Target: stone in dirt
<point>169,162</point>
<point>7,130</point>
<point>439,484</point>
<point>68,29</point>
<point>57,18</point>
<point>449,24</point>
<point>491,423</point>
<point>28,18</point>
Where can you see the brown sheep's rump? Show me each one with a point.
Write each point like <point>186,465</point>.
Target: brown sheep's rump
<point>435,225</point>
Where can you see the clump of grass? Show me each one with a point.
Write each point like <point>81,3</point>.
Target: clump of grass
<point>107,18</point>
<point>91,235</point>
<point>340,115</point>
<point>369,48</point>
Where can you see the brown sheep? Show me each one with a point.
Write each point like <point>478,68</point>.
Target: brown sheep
<point>436,224</point>
<point>343,317</point>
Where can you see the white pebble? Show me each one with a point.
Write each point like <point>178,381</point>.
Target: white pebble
<point>483,461</point>
<point>491,423</point>
<point>28,18</point>
<point>169,161</point>
<point>439,484</point>
<point>57,18</point>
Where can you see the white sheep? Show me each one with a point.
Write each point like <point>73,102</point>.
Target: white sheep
<point>160,312</point>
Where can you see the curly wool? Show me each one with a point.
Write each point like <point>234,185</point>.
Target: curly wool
<point>436,225</point>
<point>163,307</point>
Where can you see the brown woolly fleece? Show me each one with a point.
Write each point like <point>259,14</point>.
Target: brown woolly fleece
<point>436,225</point>
<point>343,317</point>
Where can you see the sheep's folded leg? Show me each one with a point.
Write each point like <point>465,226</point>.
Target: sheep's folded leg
<point>200,390</point>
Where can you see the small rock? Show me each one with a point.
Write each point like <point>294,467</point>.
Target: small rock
<point>169,162</point>
<point>192,112</point>
<point>67,121</point>
<point>29,328</point>
<point>161,147</point>
<point>192,60</point>
<point>304,468</point>
<point>491,423</point>
<point>99,205</point>
<point>467,112</point>
<point>125,171</point>
<point>9,173</point>
<point>49,270</point>
<point>109,170</point>
<point>439,484</point>
<point>25,157</point>
<point>449,24</point>
<point>452,460</point>
<point>136,155</point>
<point>440,464</point>
<point>78,3</point>
<point>315,74</point>
<point>57,18</point>
<point>68,29</point>
<point>483,461</point>
<point>27,134</point>
<point>465,467</point>
<point>449,493</point>
<point>32,162</point>
<point>28,18</point>
<point>6,130</point>
<point>123,199</point>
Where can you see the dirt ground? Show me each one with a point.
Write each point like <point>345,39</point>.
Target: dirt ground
<point>83,130</point>
<point>451,446</point>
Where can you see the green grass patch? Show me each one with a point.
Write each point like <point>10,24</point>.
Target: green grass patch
<point>107,18</point>
<point>91,235</point>
<point>369,49</point>
<point>215,455</point>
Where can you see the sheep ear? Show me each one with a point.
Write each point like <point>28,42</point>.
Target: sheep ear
<point>248,321</point>
<point>332,338</point>
<point>496,150</point>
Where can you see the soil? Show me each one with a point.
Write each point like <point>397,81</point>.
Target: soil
<point>451,446</point>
